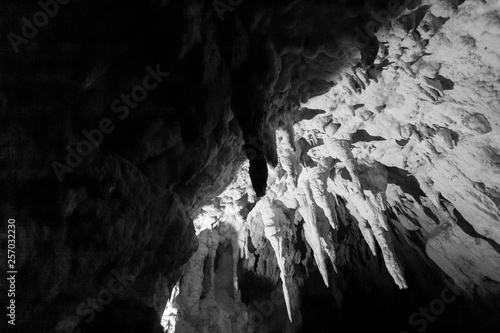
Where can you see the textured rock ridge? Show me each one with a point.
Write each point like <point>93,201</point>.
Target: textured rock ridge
<point>298,163</point>
<point>392,151</point>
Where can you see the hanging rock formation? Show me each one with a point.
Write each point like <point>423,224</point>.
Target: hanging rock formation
<point>252,166</point>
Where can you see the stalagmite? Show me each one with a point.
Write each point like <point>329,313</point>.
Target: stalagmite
<point>373,157</point>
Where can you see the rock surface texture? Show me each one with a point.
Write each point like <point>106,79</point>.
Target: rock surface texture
<point>253,166</point>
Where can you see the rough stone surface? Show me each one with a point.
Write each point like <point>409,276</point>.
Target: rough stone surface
<point>372,176</point>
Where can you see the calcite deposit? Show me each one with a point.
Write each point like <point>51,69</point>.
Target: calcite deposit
<point>252,166</point>
<point>406,143</point>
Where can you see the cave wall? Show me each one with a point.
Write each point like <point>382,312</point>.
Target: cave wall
<point>396,167</point>
<point>123,203</point>
<point>227,79</point>
<point>124,207</point>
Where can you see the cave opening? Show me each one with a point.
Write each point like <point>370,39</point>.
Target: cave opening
<point>250,166</point>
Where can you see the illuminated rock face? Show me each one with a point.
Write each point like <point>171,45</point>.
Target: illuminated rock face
<point>335,179</point>
<point>393,151</point>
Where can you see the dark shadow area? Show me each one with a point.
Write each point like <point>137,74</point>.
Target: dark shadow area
<point>306,114</point>
<point>454,136</point>
<point>469,230</point>
<point>318,306</point>
<point>206,278</point>
<point>420,13</point>
<point>363,298</point>
<point>124,317</point>
<point>447,84</point>
<point>402,142</point>
<point>253,286</point>
<point>364,136</point>
<point>406,181</point>
<point>344,173</point>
